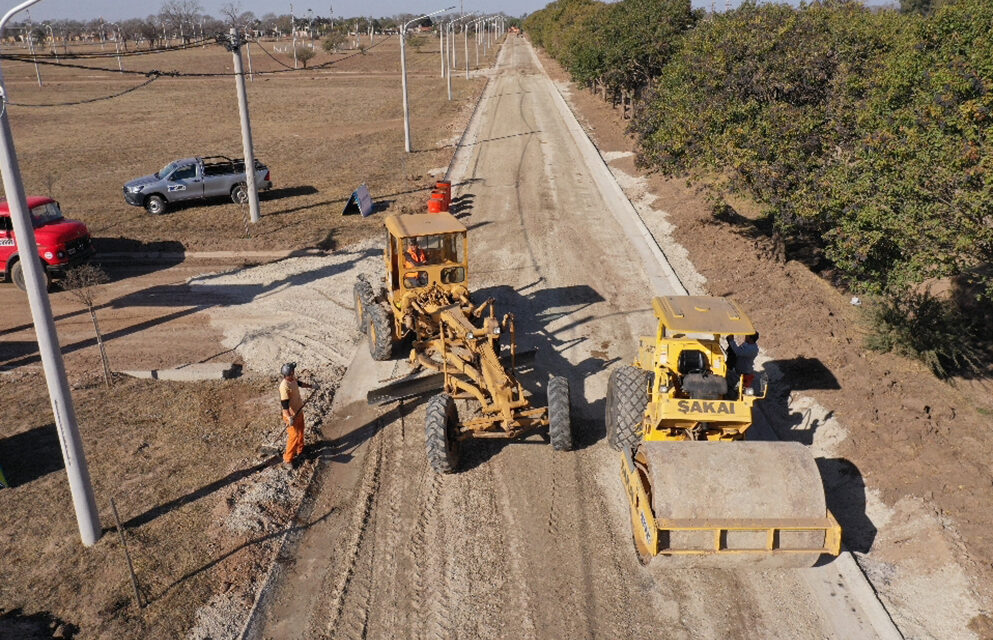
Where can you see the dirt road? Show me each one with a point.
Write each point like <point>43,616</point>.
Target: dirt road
<point>524,542</point>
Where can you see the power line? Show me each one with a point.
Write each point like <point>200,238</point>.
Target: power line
<point>153,76</point>
<point>122,54</point>
<point>27,58</point>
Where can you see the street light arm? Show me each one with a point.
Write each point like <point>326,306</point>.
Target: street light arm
<point>10,14</point>
<point>426,15</point>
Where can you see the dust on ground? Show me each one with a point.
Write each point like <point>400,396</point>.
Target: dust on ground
<point>905,456</point>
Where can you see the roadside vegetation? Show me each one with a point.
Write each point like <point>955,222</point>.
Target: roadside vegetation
<point>864,135</point>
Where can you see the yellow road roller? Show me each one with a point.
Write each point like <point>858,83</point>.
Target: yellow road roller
<point>699,493</point>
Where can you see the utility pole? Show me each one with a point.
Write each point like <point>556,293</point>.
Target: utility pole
<point>246,127</point>
<point>66,426</point>
<point>465,38</point>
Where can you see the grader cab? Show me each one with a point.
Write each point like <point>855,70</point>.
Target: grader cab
<point>425,301</point>
<point>675,415</point>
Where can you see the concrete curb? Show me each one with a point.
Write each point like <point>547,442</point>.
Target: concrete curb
<point>190,372</point>
<point>181,256</point>
<point>639,234</point>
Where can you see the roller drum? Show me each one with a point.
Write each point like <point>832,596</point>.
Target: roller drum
<point>718,482</point>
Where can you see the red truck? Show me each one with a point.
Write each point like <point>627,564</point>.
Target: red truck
<point>62,243</point>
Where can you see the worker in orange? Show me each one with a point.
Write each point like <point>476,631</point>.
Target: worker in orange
<point>292,404</point>
<point>415,255</point>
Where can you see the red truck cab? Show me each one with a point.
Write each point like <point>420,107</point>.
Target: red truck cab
<point>62,243</point>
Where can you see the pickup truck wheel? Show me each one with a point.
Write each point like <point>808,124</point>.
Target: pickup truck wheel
<point>155,205</point>
<point>239,194</point>
<point>17,276</point>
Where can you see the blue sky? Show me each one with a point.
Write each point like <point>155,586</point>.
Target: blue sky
<point>116,10</point>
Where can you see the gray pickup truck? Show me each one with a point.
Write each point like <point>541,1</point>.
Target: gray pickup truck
<point>194,179</point>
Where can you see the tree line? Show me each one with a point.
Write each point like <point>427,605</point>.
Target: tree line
<point>866,135</point>
<point>185,21</point>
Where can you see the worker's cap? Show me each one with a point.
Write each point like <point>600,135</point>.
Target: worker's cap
<point>754,336</point>
<point>288,368</point>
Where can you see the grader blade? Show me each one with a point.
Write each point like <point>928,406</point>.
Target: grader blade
<point>750,504</point>
<point>419,384</point>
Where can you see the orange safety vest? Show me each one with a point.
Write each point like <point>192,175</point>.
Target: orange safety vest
<point>416,255</point>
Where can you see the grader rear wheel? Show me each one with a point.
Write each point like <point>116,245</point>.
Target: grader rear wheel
<point>441,423</point>
<point>627,399</point>
<point>379,326</point>
<point>559,420</point>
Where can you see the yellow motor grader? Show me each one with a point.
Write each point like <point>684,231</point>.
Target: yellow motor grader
<point>679,416</point>
<point>425,300</point>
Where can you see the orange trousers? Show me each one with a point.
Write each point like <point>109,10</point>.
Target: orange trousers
<point>294,439</point>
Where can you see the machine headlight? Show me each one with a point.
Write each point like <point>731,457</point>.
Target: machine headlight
<point>48,255</point>
<point>61,255</point>
<point>135,188</point>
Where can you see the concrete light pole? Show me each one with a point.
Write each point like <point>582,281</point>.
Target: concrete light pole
<point>41,314</point>
<point>246,127</point>
<point>117,45</point>
<point>403,75</point>
<point>293,31</point>
<point>441,47</point>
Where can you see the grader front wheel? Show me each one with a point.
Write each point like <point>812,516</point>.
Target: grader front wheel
<point>379,327</point>
<point>559,419</point>
<point>440,424</point>
<point>627,399</point>
<point>363,296</point>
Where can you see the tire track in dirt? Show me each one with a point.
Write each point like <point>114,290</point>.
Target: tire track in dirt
<point>387,577</point>
<point>360,524</point>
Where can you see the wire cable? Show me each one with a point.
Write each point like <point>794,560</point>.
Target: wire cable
<point>180,74</point>
<point>153,76</point>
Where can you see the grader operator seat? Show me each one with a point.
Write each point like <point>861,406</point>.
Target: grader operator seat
<point>696,379</point>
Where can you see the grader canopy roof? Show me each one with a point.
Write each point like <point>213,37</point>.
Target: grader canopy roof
<point>423,224</point>
<point>702,314</point>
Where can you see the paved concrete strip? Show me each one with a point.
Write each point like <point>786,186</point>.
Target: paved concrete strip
<point>641,238</point>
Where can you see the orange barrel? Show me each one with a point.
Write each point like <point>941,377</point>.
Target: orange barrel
<point>436,206</point>
<point>440,196</point>
<point>446,186</point>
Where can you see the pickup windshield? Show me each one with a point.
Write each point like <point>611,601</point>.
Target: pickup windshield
<point>166,170</point>
<point>45,214</point>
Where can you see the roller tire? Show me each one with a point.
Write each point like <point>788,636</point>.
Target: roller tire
<point>440,429</point>
<point>559,410</point>
<point>364,298</point>
<point>627,399</point>
<point>155,205</point>
<point>379,328</point>
<point>239,193</point>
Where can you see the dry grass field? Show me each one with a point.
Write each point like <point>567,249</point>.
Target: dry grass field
<point>321,132</point>
<point>174,454</point>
